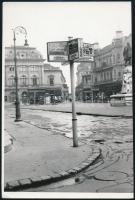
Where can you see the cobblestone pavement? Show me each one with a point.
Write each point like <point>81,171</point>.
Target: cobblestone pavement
<point>114,171</point>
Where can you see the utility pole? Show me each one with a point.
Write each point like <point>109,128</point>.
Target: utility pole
<point>74,119</point>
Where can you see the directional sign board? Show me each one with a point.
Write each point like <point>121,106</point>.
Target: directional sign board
<point>57,51</point>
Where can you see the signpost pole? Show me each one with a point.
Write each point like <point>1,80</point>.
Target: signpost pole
<point>74,119</point>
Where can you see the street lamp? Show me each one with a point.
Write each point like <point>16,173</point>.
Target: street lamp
<point>17,30</point>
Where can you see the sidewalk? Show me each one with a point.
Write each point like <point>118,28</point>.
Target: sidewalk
<point>96,109</point>
<point>40,157</point>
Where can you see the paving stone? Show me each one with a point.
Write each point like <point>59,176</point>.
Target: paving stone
<point>63,173</point>
<point>85,163</point>
<point>26,181</point>
<point>35,179</point>
<point>45,178</point>
<point>13,184</point>
<point>55,176</point>
<point>71,171</point>
<point>77,169</point>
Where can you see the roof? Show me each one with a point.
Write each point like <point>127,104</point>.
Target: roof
<point>23,53</point>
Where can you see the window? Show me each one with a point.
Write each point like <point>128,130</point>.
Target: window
<point>118,58</point>
<point>113,59</point>
<point>101,76</point>
<point>51,80</point>
<point>11,81</point>
<point>34,80</point>
<point>110,75</point>
<point>33,68</point>
<point>105,76</point>
<point>114,74</point>
<point>22,68</point>
<point>23,80</point>
<point>119,74</point>
<point>11,69</point>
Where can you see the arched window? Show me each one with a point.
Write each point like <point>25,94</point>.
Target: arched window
<point>34,80</point>
<point>23,80</point>
<point>11,81</point>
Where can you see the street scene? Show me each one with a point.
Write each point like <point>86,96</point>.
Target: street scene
<point>67,104</point>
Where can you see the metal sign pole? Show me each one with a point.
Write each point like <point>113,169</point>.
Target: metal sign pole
<point>74,119</point>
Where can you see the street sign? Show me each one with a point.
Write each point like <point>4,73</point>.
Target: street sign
<point>74,48</point>
<point>57,51</point>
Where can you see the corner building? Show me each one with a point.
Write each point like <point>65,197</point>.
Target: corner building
<point>36,80</point>
<point>109,66</point>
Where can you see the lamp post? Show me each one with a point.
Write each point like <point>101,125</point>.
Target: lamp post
<point>17,30</point>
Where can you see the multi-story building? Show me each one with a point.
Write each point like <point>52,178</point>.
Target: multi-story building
<point>36,80</point>
<point>84,89</point>
<point>107,70</point>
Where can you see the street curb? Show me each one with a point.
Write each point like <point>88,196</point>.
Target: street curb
<point>36,181</point>
<point>81,113</point>
<point>8,147</point>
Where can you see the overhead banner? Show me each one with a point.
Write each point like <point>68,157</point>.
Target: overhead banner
<point>57,51</point>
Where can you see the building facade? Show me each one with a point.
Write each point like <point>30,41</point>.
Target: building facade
<point>36,80</point>
<point>84,89</point>
<point>107,69</point>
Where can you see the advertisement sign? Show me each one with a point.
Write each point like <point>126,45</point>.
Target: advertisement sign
<point>74,48</point>
<point>86,53</point>
<point>57,51</point>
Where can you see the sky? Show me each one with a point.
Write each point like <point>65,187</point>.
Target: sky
<point>56,21</point>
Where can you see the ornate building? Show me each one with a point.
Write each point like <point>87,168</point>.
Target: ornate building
<point>107,69</point>
<point>84,89</point>
<point>36,80</point>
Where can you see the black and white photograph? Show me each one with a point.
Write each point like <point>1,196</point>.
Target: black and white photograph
<point>67,100</point>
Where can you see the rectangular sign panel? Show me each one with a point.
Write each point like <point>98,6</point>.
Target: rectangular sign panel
<point>57,51</point>
<point>74,48</point>
<point>88,50</point>
<point>86,53</point>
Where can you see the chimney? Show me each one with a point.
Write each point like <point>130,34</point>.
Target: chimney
<point>119,34</point>
<point>70,38</point>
